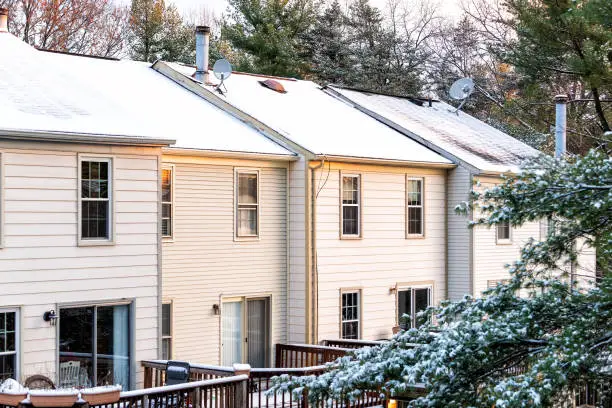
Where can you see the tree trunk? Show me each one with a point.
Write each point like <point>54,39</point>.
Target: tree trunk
<point>602,117</point>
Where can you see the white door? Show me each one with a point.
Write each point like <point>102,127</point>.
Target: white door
<point>232,332</point>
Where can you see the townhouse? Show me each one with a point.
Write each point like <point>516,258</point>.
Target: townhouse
<point>366,207</point>
<point>79,258</point>
<point>476,257</point>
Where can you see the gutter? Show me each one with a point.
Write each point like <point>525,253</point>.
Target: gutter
<point>74,137</point>
<point>230,154</point>
<point>386,162</point>
<point>196,87</point>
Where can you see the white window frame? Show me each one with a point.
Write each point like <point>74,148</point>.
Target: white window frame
<point>111,202</point>
<point>257,205</point>
<point>422,207</point>
<point>171,335</point>
<point>17,352</point>
<point>411,287</point>
<point>358,205</point>
<point>359,311</point>
<point>503,241</point>
<point>171,168</point>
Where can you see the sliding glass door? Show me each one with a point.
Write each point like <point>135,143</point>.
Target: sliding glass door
<point>94,346</point>
<point>245,331</point>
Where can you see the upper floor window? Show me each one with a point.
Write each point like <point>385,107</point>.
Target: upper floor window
<point>351,205</point>
<point>350,315</point>
<point>247,199</point>
<point>95,199</point>
<point>414,207</point>
<point>167,196</point>
<point>503,232</point>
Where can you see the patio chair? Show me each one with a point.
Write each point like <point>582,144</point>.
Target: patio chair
<point>69,374</point>
<point>177,372</point>
<point>39,382</point>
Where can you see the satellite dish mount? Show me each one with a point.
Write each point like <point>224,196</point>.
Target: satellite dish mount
<point>222,70</point>
<point>460,90</point>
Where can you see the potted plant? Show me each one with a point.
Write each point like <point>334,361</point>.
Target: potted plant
<point>12,393</point>
<point>54,398</point>
<point>103,395</point>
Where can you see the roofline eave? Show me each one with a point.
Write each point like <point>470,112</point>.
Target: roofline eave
<point>230,154</point>
<point>385,162</point>
<point>80,137</point>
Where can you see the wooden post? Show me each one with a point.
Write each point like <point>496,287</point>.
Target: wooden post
<point>242,389</point>
<point>278,356</point>
<point>148,377</point>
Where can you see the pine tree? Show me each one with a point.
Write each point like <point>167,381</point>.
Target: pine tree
<point>269,33</point>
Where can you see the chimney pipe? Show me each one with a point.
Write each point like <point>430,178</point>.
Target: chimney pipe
<point>3,20</point>
<point>202,50</point>
<point>560,124</point>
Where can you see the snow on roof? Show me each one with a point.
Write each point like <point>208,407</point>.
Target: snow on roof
<point>317,122</point>
<point>462,136</point>
<point>55,92</point>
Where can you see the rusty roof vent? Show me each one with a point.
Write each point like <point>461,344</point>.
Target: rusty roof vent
<point>273,85</point>
<point>4,19</point>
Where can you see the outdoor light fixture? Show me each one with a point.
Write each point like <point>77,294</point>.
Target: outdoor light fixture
<point>216,309</point>
<point>51,317</point>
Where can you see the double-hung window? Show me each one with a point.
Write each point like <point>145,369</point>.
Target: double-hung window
<point>350,315</point>
<point>503,231</point>
<point>247,203</point>
<point>9,343</point>
<point>351,205</point>
<point>410,302</point>
<point>167,198</point>
<point>415,226</point>
<point>95,199</point>
<point>166,331</point>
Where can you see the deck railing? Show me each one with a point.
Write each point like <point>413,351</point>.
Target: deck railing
<point>155,372</point>
<point>306,355</point>
<point>350,344</point>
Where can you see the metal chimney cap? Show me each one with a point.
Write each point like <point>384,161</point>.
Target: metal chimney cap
<point>561,98</point>
<point>203,29</point>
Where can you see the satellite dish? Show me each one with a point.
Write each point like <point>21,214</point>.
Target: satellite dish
<point>460,90</point>
<point>222,69</point>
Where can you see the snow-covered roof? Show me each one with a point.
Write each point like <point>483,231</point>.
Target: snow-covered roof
<point>460,137</point>
<point>46,92</point>
<point>317,122</point>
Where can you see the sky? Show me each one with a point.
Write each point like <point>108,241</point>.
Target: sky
<point>448,7</point>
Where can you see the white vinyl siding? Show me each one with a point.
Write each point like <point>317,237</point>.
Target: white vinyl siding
<point>383,256</point>
<point>206,264</point>
<point>41,264</point>
<point>459,235</point>
<point>415,223</point>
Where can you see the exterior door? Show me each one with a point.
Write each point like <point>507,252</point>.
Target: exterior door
<point>258,326</point>
<point>245,331</point>
<point>411,301</point>
<point>94,346</point>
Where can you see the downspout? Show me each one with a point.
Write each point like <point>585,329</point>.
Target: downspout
<point>313,248</point>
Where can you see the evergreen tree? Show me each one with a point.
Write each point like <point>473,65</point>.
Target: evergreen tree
<point>326,46</point>
<point>269,32</point>
<point>567,40</point>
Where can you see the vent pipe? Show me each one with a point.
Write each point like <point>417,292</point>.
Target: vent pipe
<point>202,50</point>
<point>3,20</point>
<point>560,124</point>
